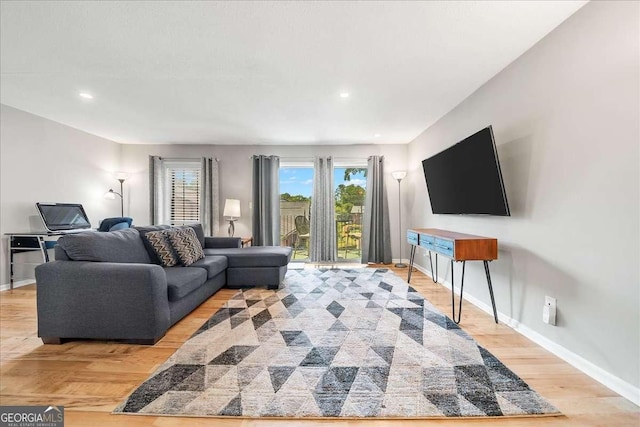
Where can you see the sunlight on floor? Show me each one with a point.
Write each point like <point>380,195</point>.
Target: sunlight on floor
<point>311,265</point>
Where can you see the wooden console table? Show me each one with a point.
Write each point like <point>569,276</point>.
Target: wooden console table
<point>457,247</point>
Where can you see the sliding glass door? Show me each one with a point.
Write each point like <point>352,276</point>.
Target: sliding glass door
<point>296,186</point>
<point>350,185</point>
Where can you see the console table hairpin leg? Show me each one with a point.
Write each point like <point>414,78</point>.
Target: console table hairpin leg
<point>411,258</point>
<point>493,301</point>
<point>434,279</point>
<point>453,304</point>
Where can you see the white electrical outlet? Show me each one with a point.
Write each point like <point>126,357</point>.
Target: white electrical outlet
<point>549,311</point>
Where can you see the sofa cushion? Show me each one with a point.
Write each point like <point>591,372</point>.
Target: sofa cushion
<point>213,264</point>
<point>162,247</point>
<point>255,256</point>
<point>146,229</point>
<point>113,246</point>
<point>183,280</point>
<point>186,244</point>
<point>222,242</point>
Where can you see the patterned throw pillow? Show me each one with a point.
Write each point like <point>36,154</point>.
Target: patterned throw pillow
<point>199,231</point>
<point>186,245</point>
<point>161,245</point>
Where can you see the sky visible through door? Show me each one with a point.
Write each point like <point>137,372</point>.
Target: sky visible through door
<point>299,180</point>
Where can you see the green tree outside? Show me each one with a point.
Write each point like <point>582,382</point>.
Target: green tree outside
<point>286,197</point>
<point>348,196</point>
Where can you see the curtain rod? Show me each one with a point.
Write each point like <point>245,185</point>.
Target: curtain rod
<point>310,159</point>
<point>184,159</point>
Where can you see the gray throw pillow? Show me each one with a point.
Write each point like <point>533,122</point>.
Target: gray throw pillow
<point>112,246</point>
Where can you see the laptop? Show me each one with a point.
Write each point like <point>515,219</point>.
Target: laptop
<point>63,217</point>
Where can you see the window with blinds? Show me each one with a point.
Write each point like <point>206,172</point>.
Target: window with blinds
<point>184,195</point>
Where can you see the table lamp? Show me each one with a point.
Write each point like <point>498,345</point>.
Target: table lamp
<point>232,212</point>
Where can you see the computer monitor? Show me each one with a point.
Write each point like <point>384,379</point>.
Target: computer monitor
<point>63,216</point>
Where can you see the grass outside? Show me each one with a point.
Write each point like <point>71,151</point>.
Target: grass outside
<point>349,254</point>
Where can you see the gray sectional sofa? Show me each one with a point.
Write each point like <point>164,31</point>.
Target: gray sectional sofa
<point>109,286</point>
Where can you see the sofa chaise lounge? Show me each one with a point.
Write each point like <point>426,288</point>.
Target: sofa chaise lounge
<point>109,286</point>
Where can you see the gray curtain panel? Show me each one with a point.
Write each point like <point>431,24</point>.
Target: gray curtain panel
<point>376,234</point>
<point>323,224</point>
<point>210,196</point>
<point>156,190</point>
<point>266,201</point>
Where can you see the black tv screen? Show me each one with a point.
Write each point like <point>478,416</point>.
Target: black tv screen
<point>466,178</point>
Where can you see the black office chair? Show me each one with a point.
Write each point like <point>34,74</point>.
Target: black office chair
<point>116,223</point>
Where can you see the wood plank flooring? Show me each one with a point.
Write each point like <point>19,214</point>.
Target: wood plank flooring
<point>91,378</point>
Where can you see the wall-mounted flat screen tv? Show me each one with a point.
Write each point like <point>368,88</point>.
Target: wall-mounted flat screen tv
<point>466,178</point>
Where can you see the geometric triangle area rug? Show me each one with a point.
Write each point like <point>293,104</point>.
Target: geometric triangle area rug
<point>352,343</point>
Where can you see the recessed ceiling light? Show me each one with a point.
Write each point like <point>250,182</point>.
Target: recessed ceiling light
<point>344,94</point>
<point>85,95</point>
<point>377,135</point>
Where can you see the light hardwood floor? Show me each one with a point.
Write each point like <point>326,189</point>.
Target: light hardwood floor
<point>91,378</point>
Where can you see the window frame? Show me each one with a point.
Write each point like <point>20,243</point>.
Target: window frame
<point>168,167</point>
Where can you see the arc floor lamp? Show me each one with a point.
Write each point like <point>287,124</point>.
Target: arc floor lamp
<point>122,177</point>
<point>399,175</point>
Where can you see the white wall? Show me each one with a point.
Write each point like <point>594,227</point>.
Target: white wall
<point>566,121</point>
<point>235,174</point>
<point>45,161</point>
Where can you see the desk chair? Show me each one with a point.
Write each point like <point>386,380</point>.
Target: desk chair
<point>115,223</point>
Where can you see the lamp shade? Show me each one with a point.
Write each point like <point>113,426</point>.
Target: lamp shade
<point>398,175</point>
<point>110,195</point>
<point>232,208</point>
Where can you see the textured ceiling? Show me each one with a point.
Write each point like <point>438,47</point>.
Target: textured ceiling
<point>259,72</point>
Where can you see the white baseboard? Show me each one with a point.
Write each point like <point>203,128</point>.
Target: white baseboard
<point>623,388</point>
<point>7,286</point>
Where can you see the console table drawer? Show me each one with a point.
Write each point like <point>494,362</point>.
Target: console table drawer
<point>427,242</point>
<point>412,237</point>
<point>444,247</point>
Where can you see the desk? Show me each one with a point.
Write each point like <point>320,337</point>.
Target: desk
<point>457,247</point>
<point>29,242</point>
